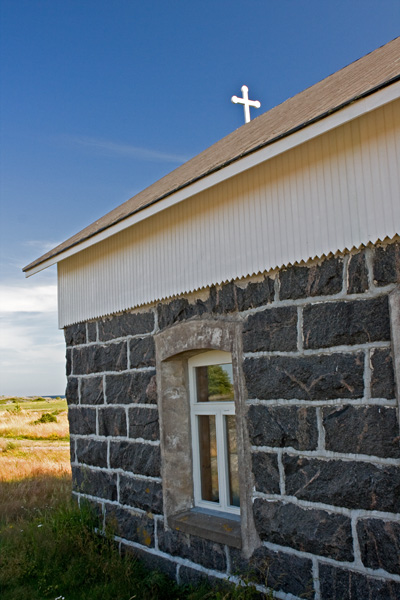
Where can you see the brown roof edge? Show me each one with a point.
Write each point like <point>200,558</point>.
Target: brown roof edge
<point>75,242</point>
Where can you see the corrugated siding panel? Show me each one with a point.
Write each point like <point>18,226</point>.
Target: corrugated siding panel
<point>335,192</point>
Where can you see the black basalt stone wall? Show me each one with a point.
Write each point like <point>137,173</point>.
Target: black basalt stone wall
<point>322,420</point>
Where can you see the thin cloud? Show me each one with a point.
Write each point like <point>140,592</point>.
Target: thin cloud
<point>118,149</point>
<point>19,298</point>
<point>41,245</point>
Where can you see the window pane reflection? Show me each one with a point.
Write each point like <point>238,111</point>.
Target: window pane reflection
<point>208,458</point>
<point>233,470</point>
<point>214,383</point>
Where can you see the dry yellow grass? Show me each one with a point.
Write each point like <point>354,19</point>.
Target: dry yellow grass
<point>35,469</point>
<point>21,424</point>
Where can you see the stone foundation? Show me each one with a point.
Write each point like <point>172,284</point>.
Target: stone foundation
<point>319,347</point>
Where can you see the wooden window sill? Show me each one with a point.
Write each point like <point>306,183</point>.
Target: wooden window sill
<point>223,528</point>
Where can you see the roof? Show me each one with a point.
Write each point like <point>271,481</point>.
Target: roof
<point>361,78</point>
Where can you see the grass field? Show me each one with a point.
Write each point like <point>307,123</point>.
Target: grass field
<point>48,547</point>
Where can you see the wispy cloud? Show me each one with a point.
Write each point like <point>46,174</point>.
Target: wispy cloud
<point>31,345</point>
<point>20,298</point>
<point>42,245</point>
<point>117,149</point>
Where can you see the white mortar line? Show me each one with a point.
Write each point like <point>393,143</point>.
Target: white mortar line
<point>377,573</point>
<point>277,285</point>
<point>116,340</point>
<point>328,455</point>
<point>334,402</point>
<point>318,351</point>
<point>112,405</point>
<point>112,471</point>
<point>345,274</point>
<point>155,328</point>
<point>128,354</point>
<point>228,560</point>
<point>108,454</point>
<point>282,484</point>
<point>79,390</point>
<point>300,336</point>
<point>340,510</point>
<point>370,269</point>
<point>356,545</point>
<point>315,572</point>
<point>321,430</point>
<point>104,438</point>
<point>104,390</point>
<point>118,500</point>
<point>367,374</point>
<point>97,421</point>
<point>341,297</point>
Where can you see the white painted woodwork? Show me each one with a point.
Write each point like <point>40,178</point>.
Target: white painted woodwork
<point>333,192</point>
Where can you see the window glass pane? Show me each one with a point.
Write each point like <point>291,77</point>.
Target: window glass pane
<point>233,471</point>
<point>208,458</point>
<point>214,383</point>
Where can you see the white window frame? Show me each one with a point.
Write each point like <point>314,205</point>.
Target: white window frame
<point>220,410</point>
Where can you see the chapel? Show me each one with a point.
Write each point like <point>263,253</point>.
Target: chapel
<point>233,350</point>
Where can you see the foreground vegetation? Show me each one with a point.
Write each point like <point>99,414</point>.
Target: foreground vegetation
<point>48,548</point>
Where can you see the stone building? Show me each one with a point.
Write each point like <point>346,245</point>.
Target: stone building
<point>233,350</point>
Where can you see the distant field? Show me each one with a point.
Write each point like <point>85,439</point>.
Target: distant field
<point>34,453</point>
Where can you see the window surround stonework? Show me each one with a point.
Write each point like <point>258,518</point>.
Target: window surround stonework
<point>174,347</point>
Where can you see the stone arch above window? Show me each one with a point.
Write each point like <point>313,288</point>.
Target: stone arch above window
<point>174,347</point>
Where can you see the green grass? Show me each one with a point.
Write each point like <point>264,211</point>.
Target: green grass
<point>36,405</point>
<point>53,552</point>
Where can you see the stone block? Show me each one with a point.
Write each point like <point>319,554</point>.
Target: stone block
<point>72,391</point>
<point>130,525</point>
<point>140,493</point>
<point>342,584</point>
<point>95,483</point>
<point>382,374</point>
<point>255,294</point>
<point>316,280</point>
<point>118,326</point>
<point>151,562</point>
<point>357,274</point>
<point>370,430</point>
<point>68,362</point>
<point>176,311</point>
<point>143,423</point>
<point>283,426</point>
<point>129,388</point>
<point>142,352</point>
<point>225,301</point>
<point>91,452</point>
<point>192,577</point>
<point>91,331</point>
<point>317,377</point>
<point>387,264</point>
<point>99,358</point>
<point>112,421</point>
<point>92,390</point>
<point>134,457</point>
<point>310,530</point>
<point>351,484</point>
<point>329,324</point>
<point>203,552</point>
<point>266,472</point>
<point>75,334</point>
<point>380,544</point>
<point>281,571</point>
<point>82,421</point>
<point>270,330</point>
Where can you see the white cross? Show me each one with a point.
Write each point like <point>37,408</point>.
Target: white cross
<point>246,102</point>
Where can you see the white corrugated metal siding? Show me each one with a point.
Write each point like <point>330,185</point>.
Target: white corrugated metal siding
<point>337,191</point>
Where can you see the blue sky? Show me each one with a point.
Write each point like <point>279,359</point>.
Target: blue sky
<point>101,98</point>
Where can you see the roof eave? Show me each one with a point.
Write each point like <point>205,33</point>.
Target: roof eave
<point>363,103</point>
